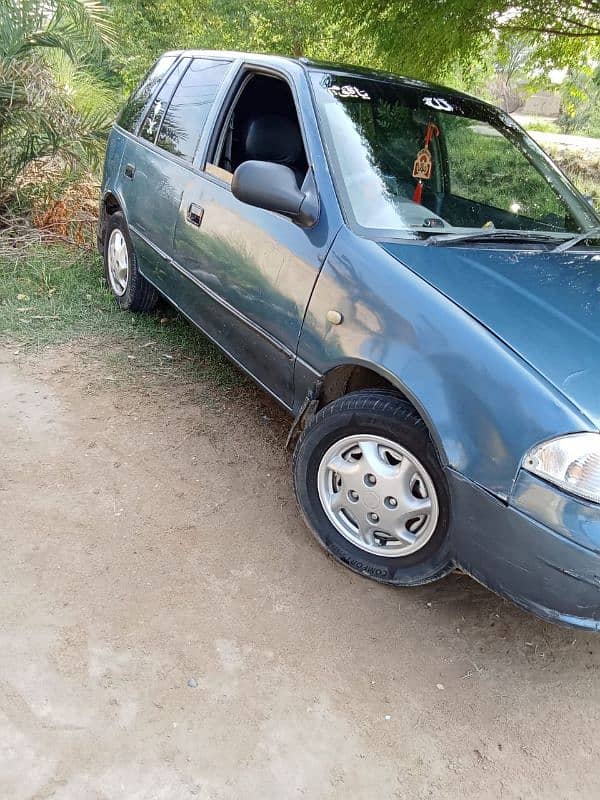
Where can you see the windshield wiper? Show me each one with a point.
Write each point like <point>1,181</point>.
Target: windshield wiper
<point>593,233</point>
<point>492,234</point>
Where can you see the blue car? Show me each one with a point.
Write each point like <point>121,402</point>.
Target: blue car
<point>412,278</point>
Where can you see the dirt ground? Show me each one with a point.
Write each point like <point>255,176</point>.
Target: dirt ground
<point>170,629</point>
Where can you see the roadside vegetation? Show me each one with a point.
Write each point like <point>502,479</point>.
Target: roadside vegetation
<point>583,168</point>
<point>57,99</point>
<point>54,294</point>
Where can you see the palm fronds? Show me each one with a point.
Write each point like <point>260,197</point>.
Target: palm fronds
<point>53,99</point>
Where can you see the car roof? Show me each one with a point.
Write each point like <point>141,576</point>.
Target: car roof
<point>325,66</point>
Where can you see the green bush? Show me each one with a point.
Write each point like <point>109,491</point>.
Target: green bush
<point>53,101</point>
<point>542,125</point>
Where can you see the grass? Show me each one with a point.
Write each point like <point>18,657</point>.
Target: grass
<point>583,168</point>
<point>53,294</point>
<point>542,125</point>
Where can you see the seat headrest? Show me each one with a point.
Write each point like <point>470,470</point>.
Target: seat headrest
<point>272,137</point>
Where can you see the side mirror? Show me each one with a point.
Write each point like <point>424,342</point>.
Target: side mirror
<point>273,187</point>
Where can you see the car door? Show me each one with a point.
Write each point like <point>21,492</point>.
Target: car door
<point>155,166</point>
<point>252,270</point>
<point>150,184</point>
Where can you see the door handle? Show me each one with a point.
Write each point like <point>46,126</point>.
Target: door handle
<point>129,171</point>
<point>194,214</point>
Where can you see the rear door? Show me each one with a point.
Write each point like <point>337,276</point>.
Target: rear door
<point>150,185</point>
<point>155,171</point>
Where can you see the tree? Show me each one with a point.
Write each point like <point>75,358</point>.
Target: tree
<point>449,40</point>
<point>432,38</point>
<point>511,75</point>
<point>290,27</point>
<point>581,102</point>
<point>42,114</point>
<point>542,18</point>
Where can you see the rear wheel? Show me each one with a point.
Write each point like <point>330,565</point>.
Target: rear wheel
<point>131,290</point>
<point>372,490</point>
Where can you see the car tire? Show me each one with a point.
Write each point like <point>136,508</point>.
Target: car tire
<point>130,289</point>
<point>379,437</point>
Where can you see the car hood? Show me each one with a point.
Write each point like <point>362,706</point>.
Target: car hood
<point>545,306</point>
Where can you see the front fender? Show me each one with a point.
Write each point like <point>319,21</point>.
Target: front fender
<point>485,407</point>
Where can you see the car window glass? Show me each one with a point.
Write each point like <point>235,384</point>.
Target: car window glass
<point>404,160</point>
<point>185,117</point>
<point>486,168</point>
<point>133,110</point>
<point>159,105</point>
<point>262,125</point>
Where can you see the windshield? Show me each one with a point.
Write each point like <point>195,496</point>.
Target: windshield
<point>408,160</point>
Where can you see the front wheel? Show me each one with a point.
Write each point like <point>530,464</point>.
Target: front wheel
<point>371,488</point>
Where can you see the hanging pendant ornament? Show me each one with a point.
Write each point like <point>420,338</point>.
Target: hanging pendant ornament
<point>423,166</point>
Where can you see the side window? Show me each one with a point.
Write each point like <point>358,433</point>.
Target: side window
<point>185,117</point>
<point>159,105</point>
<point>263,124</point>
<point>136,105</point>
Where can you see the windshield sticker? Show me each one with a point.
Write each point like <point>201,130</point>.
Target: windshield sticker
<point>349,91</point>
<point>438,103</point>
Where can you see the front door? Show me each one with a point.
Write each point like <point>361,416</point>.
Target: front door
<point>253,270</point>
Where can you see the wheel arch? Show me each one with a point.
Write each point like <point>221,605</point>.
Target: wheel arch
<point>355,376</point>
<point>483,404</point>
<point>110,203</point>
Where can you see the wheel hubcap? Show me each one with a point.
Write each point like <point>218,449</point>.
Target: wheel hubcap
<point>378,495</point>
<point>118,262</point>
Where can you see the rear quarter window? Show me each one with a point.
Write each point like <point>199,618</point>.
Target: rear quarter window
<point>158,107</point>
<point>135,107</point>
<point>185,117</point>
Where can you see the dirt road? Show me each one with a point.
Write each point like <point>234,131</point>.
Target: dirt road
<point>169,629</point>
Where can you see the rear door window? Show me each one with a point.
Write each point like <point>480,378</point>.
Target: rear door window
<point>184,119</point>
<point>160,103</point>
<point>135,107</point>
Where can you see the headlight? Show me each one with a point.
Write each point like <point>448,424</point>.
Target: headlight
<point>571,462</point>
